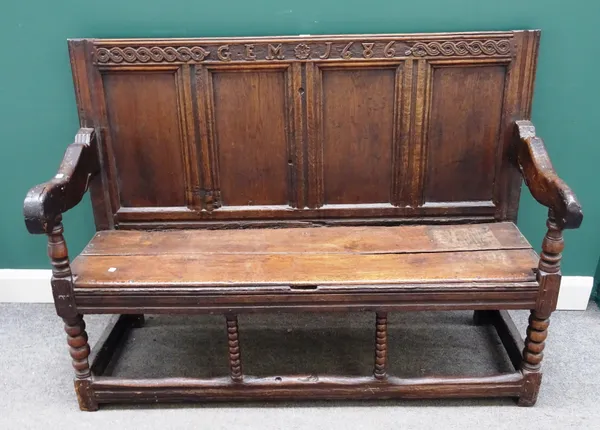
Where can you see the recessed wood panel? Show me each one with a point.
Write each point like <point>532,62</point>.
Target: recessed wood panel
<point>328,129</point>
<point>463,134</point>
<point>142,109</point>
<point>251,139</point>
<point>357,127</point>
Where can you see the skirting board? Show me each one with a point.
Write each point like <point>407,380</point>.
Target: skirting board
<point>33,286</point>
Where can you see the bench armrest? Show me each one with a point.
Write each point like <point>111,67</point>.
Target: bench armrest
<point>45,203</point>
<point>543,182</point>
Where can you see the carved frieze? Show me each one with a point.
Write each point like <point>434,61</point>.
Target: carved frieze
<point>303,50</point>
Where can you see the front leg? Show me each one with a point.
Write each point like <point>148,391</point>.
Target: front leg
<point>77,338</point>
<point>79,349</point>
<point>549,278</point>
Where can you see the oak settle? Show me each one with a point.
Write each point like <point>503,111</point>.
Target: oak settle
<point>372,173</point>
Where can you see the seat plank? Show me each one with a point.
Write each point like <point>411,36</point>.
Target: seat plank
<point>369,240</point>
<point>303,269</point>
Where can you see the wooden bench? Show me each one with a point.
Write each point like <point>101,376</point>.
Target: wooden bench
<point>327,173</point>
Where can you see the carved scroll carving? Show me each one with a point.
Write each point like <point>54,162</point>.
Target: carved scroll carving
<point>155,54</point>
<point>461,48</point>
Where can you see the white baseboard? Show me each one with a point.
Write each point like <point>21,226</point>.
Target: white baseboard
<point>25,286</point>
<point>575,293</point>
<point>33,286</point>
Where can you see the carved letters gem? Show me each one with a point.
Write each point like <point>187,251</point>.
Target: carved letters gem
<point>302,51</point>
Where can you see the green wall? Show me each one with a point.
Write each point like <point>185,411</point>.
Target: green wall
<point>38,115</point>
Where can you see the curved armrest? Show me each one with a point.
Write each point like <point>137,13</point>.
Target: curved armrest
<point>543,182</point>
<point>45,203</point>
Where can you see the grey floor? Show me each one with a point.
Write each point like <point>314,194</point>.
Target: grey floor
<point>36,378</point>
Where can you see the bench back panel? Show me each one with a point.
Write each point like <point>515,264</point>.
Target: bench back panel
<point>205,132</point>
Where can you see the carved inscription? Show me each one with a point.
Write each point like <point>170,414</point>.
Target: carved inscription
<point>389,51</point>
<point>368,49</point>
<point>250,52</point>
<point>274,52</point>
<point>303,50</point>
<point>346,51</point>
<point>327,52</point>
<point>223,53</point>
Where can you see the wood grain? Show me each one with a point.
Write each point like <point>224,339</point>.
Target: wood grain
<point>543,182</point>
<point>254,145</point>
<point>149,152</point>
<point>366,239</point>
<point>463,133</point>
<point>358,127</point>
<point>303,269</point>
<point>304,386</point>
<point>334,127</point>
<point>401,156</point>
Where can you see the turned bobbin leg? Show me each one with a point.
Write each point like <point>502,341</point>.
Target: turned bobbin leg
<point>77,339</point>
<point>549,278</point>
<point>380,368</point>
<point>235,359</point>
<point>79,349</point>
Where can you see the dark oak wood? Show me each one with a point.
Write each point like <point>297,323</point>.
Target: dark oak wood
<point>380,346</point>
<point>372,173</point>
<point>299,270</point>
<point>46,202</point>
<point>413,239</point>
<point>110,390</point>
<point>188,122</point>
<point>549,277</point>
<point>235,356</point>
<point>542,180</point>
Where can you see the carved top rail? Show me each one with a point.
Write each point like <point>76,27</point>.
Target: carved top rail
<point>358,47</point>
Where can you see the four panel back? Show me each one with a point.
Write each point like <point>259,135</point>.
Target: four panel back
<point>205,132</point>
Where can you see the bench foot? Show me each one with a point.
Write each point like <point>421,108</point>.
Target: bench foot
<point>85,395</point>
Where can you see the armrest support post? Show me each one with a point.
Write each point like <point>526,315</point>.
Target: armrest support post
<point>44,203</point>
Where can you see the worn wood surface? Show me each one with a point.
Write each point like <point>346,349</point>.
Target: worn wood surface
<point>338,240</point>
<point>542,180</point>
<point>110,389</point>
<point>304,257</point>
<point>46,202</point>
<point>270,134</point>
<point>320,127</point>
<point>304,386</point>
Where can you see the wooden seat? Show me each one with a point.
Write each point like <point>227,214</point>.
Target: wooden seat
<point>424,259</point>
